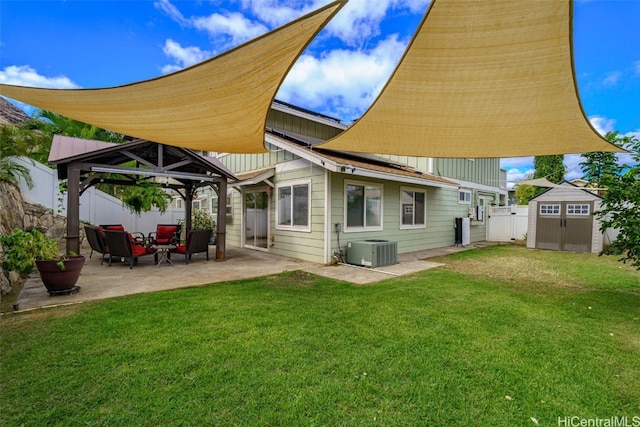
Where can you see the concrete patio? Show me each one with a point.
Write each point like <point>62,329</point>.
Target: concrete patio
<point>101,281</point>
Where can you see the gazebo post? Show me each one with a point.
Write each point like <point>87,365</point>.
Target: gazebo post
<point>221,236</point>
<point>188,208</point>
<point>73,209</point>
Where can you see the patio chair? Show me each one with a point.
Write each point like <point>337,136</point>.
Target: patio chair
<point>122,245</point>
<point>165,234</point>
<point>96,241</point>
<point>197,241</point>
<point>138,236</point>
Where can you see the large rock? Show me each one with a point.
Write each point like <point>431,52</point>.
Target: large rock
<point>11,208</point>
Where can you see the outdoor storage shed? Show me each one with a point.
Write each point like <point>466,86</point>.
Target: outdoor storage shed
<point>562,219</point>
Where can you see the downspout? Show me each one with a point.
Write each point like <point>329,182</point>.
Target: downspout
<point>327,217</point>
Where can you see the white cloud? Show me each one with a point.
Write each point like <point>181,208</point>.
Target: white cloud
<point>345,81</point>
<point>233,27</point>
<point>184,56</point>
<point>515,175</point>
<point>612,78</point>
<point>359,20</point>
<point>24,75</point>
<point>602,124</point>
<point>172,11</point>
<point>572,165</point>
<point>274,13</point>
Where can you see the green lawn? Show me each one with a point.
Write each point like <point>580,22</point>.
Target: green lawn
<point>497,336</point>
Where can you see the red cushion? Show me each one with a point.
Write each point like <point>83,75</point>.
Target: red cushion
<point>139,250</point>
<point>164,234</point>
<point>115,227</point>
<point>181,249</point>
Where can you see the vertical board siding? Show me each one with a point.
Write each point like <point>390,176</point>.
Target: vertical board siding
<point>481,171</point>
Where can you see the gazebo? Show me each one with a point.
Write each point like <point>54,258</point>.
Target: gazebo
<point>85,163</point>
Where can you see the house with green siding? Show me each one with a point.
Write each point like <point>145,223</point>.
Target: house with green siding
<point>302,201</point>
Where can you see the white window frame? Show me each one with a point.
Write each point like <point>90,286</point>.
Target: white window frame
<point>229,206</point>
<point>346,203</point>
<point>571,209</point>
<point>555,209</point>
<point>291,184</point>
<point>402,208</point>
<point>468,196</point>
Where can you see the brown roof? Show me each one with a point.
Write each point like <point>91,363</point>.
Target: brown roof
<point>360,161</point>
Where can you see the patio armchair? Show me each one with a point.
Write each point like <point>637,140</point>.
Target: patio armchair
<point>122,245</point>
<point>95,237</point>
<point>165,234</point>
<point>197,241</point>
<point>138,236</point>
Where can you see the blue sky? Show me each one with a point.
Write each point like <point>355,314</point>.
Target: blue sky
<point>91,44</point>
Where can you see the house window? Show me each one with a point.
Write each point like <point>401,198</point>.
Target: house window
<point>578,209</point>
<point>549,209</point>
<point>294,206</point>
<point>412,208</point>
<point>364,206</point>
<point>195,205</point>
<point>464,197</point>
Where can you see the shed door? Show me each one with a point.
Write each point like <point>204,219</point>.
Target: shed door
<point>564,226</point>
<point>578,226</point>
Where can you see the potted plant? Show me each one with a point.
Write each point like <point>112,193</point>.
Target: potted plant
<point>26,249</point>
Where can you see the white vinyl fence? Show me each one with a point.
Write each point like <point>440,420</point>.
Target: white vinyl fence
<point>96,207</point>
<point>507,223</point>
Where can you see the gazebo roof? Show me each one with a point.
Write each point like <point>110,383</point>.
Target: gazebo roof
<point>151,160</point>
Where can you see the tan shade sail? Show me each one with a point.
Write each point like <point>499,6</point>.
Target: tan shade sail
<point>218,105</point>
<point>487,78</point>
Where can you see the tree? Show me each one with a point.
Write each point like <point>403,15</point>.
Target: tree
<point>35,136</point>
<point>621,204</point>
<point>596,166</point>
<point>524,193</point>
<point>12,145</point>
<point>550,167</point>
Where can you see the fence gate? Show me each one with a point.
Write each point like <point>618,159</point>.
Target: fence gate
<point>507,223</point>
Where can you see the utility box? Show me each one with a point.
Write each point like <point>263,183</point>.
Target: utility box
<point>372,253</point>
<point>463,231</point>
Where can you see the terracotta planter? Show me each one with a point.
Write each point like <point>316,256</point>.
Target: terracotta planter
<point>61,281</point>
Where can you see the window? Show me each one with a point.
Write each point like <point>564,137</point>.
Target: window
<point>578,209</point>
<point>549,209</point>
<point>364,206</point>
<point>464,197</point>
<point>412,208</point>
<point>294,206</point>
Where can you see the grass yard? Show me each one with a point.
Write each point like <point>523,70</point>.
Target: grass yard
<point>500,336</point>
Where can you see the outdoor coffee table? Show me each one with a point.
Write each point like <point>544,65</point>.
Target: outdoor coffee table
<point>164,252</point>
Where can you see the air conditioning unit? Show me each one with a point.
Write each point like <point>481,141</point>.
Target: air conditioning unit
<point>372,253</point>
